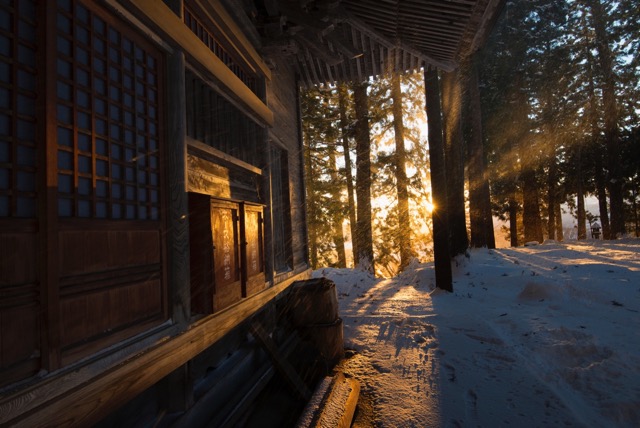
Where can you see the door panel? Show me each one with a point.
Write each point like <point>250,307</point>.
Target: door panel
<point>226,257</point>
<point>253,249</point>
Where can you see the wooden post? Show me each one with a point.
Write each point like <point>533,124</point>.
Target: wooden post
<point>178,218</point>
<point>49,213</point>
<point>177,390</point>
<point>269,268</point>
<point>177,200</point>
<point>177,387</point>
<point>444,278</point>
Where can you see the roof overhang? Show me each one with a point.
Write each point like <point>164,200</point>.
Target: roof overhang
<point>351,40</point>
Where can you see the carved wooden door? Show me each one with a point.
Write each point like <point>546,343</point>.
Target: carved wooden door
<point>227,288</point>
<point>253,249</point>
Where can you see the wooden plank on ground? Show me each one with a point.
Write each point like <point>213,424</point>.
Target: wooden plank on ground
<point>333,404</point>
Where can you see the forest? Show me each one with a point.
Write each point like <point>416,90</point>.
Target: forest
<point>522,132</point>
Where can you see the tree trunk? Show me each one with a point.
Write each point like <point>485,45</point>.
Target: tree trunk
<point>531,207</point>
<point>559,230</point>
<point>601,189</point>
<point>489,231</point>
<point>634,191</point>
<point>438,183</point>
<point>338,215</point>
<point>311,204</point>
<point>513,218</point>
<point>551,196</point>
<point>402,183</point>
<point>479,198</point>
<point>364,256</point>
<point>344,125</point>
<point>454,158</point>
<point>615,179</point>
<point>582,215</point>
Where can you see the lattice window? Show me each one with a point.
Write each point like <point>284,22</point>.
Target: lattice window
<point>18,150</point>
<point>281,209</point>
<point>213,120</point>
<point>108,119</point>
<point>200,28</point>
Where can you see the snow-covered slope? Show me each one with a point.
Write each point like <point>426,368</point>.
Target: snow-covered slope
<point>546,335</point>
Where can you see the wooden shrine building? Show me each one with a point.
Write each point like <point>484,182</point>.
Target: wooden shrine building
<point>151,186</point>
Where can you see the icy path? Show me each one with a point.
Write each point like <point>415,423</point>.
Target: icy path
<point>537,336</point>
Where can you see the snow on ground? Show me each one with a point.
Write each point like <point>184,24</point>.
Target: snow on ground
<point>539,336</point>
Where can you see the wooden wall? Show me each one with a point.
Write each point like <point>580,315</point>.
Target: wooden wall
<point>72,287</point>
<point>111,280</point>
<point>282,98</point>
<point>20,308</point>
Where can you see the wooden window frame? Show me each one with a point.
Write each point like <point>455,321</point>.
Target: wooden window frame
<point>236,134</point>
<point>18,151</point>
<point>123,118</point>
<point>280,208</point>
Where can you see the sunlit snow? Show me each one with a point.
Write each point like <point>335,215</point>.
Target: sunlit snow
<point>547,335</point>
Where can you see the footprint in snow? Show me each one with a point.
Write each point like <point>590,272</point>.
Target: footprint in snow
<point>451,372</point>
<point>472,408</point>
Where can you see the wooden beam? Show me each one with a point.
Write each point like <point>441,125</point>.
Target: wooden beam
<point>160,14</point>
<point>491,12</point>
<point>318,49</point>
<point>342,45</point>
<point>209,151</point>
<point>101,394</point>
<point>360,26</point>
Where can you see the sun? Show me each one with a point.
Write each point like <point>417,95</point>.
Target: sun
<point>429,206</point>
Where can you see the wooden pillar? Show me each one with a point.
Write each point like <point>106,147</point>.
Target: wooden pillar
<point>444,278</point>
<point>50,292</point>
<point>269,265</point>
<point>177,200</point>
<point>177,388</point>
